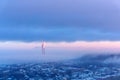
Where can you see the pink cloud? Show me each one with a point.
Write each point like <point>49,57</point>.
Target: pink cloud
<point>84,46</point>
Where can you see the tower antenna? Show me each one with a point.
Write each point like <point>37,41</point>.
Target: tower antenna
<point>43,48</point>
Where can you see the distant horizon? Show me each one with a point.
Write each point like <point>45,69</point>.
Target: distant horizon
<point>55,51</point>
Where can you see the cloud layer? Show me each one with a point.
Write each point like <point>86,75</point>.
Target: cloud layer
<point>27,52</point>
<point>61,20</point>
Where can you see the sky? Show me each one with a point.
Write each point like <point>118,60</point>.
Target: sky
<point>35,20</point>
<point>89,23</point>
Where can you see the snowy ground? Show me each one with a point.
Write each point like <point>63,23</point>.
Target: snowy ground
<point>85,68</point>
